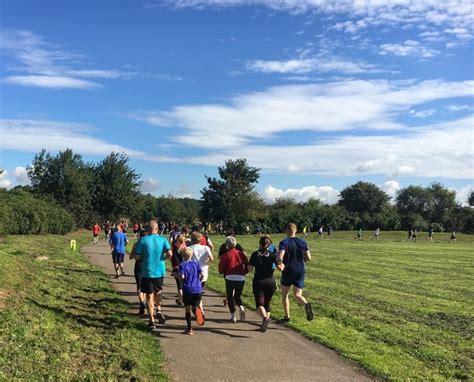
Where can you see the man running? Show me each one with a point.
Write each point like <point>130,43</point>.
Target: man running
<point>430,233</point>
<point>377,234</point>
<point>118,242</point>
<point>264,261</point>
<point>95,232</point>
<point>320,232</point>
<point>453,235</point>
<point>191,274</point>
<point>294,252</point>
<point>153,250</point>
<point>107,230</point>
<point>203,255</point>
<point>137,271</point>
<point>359,234</point>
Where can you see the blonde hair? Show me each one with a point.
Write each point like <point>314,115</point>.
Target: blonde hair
<point>187,253</point>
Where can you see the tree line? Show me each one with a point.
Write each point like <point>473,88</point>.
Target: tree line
<point>110,191</point>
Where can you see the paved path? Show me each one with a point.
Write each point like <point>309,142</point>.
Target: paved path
<point>224,351</point>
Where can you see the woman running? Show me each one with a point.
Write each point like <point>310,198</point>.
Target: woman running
<point>179,243</point>
<point>137,272</point>
<point>264,261</point>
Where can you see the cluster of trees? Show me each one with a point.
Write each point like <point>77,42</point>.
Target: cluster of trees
<point>110,191</point>
<point>232,199</point>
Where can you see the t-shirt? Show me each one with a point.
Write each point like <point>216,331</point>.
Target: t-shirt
<point>264,264</point>
<point>293,258</point>
<point>96,229</point>
<point>201,254</point>
<point>223,249</point>
<point>153,250</point>
<point>191,283</point>
<point>118,241</point>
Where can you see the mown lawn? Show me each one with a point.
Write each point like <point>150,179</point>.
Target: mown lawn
<point>60,319</point>
<point>403,310</point>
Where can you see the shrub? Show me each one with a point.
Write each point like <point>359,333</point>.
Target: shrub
<point>22,213</point>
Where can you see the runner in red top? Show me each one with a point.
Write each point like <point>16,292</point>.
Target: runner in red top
<point>95,231</point>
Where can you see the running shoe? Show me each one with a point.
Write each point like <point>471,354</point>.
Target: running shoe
<point>189,332</point>
<point>233,318</point>
<point>242,313</point>
<point>264,326</point>
<point>200,319</point>
<point>141,310</point>
<point>179,303</point>
<point>309,312</point>
<point>284,320</point>
<point>151,324</point>
<point>123,272</point>
<point>160,317</point>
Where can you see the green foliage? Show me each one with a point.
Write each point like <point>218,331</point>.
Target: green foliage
<point>470,199</point>
<point>179,210</point>
<point>116,187</point>
<point>22,213</point>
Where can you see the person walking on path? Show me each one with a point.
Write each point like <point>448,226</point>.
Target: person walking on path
<point>137,271</point>
<point>234,266</point>
<point>264,261</point>
<point>191,274</point>
<point>118,241</point>
<point>294,252</point>
<point>95,232</point>
<point>153,250</point>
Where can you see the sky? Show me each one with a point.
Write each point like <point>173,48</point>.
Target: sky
<point>317,94</point>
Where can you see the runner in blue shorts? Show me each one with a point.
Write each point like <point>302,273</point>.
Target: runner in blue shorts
<point>294,252</point>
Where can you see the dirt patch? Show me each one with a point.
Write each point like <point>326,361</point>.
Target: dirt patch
<point>41,258</point>
<point>3,298</point>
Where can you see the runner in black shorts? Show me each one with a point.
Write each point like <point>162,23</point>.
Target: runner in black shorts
<point>264,261</point>
<point>137,273</point>
<point>178,244</point>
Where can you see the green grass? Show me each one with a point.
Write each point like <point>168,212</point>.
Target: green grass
<point>402,310</point>
<point>60,319</point>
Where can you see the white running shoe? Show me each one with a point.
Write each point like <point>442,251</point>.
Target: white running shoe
<point>233,318</point>
<point>242,313</point>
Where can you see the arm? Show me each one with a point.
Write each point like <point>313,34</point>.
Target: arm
<point>307,255</point>
<point>168,254</point>
<point>222,265</point>
<point>210,258</point>
<point>132,252</point>
<point>246,262</point>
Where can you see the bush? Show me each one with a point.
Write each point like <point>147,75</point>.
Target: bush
<point>22,213</point>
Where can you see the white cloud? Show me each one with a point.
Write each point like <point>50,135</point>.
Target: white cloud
<point>4,181</point>
<point>326,194</point>
<point>52,82</point>
<point>21,176</point>
<point>408,48</point>
<point>150,185</point>
<point>391,187</point>
<point>307,65</point>
<point>457,108</point>
<point>463,193</point>
<point>322,107</point>
<point>422,113</point>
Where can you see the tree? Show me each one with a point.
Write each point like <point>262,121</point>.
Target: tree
<point>116,187</point>
<point>231,198</point>
<point>470,199</point>
<point>64,178</point>
<point>363,197</point>
<point>443,203</point>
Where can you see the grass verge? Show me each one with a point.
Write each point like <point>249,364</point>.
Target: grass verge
<point>61,320</point>
<point>402,310</point>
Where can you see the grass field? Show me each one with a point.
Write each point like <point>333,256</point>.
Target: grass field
<point>60,319</point>
<point>403,310</point>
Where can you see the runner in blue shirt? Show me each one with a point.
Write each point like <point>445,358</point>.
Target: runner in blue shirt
<point>152,251</point>
<point>294,252</point>
<point>191,273</point>
<point>118,241</point>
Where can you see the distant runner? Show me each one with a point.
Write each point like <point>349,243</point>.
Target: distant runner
<point>95,232</point>
<point>107,230</point>
<point>430,233</point>
<point>191,274</point>
<point>359,234</point>
<point>118,242</point>
<point>153,251</point>
<point>453,235</point>
<point>377,234</point>
<point>294,252</point>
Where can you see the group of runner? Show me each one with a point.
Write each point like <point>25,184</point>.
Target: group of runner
<point>190,254</point>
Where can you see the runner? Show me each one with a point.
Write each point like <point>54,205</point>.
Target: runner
<point>430,233</point>
<point>414,235</point>
<point>153,251</point>
<point>320,232</point>
<point>410,234</point>
<point>174,233</point>
<point>191,274</point>
<point>206,241</point>
<point>264,286</point>
<point>203,255</point>
<point>137,271</point>
<point>329,230</point>
<point>136,230</point>
<point>305,230</point>
<point>95,232</point>
<point>118,242</point>
<point>234,266</point>
<point>359,234</point>
<point>377,234</point>
<point>294,252</point>
<point>178,245</point>
<point>453,235</point>
<point>107,230</point>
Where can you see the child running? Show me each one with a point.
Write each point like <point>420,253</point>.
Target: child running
<point>137,271</point>
<point>191,274</point>
<point>234,266</point>
<point>264,285</point>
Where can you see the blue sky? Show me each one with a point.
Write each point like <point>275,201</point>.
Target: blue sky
<point>318,94</point>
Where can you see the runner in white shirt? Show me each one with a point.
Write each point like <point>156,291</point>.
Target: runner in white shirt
<point>203,255</point>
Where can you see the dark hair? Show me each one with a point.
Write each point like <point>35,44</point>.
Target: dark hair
<point>230,232</point>
<point>143,232</point>
<point>265,241</point>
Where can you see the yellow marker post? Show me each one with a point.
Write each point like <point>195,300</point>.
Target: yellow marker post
<point>73,244</point>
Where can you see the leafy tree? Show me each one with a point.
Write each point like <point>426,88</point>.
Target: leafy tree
<point>116,187</point>
<point>443,203</point>
<point>64,178</point>
<point>231,198</point>
<point>470,199</point>
<point>363,197</point>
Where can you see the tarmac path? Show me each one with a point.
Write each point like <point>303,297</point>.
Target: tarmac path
<point>225,351</point>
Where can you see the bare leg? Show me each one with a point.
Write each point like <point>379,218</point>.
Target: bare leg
<point>150,305</point>
<point>284,299</point>
<point>262,312</point>
<point>299,296</point>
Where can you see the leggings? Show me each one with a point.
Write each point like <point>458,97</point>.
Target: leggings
<point>263,291</point>
<point>234,291</point>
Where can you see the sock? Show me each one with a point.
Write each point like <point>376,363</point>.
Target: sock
<point>188,320</point>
